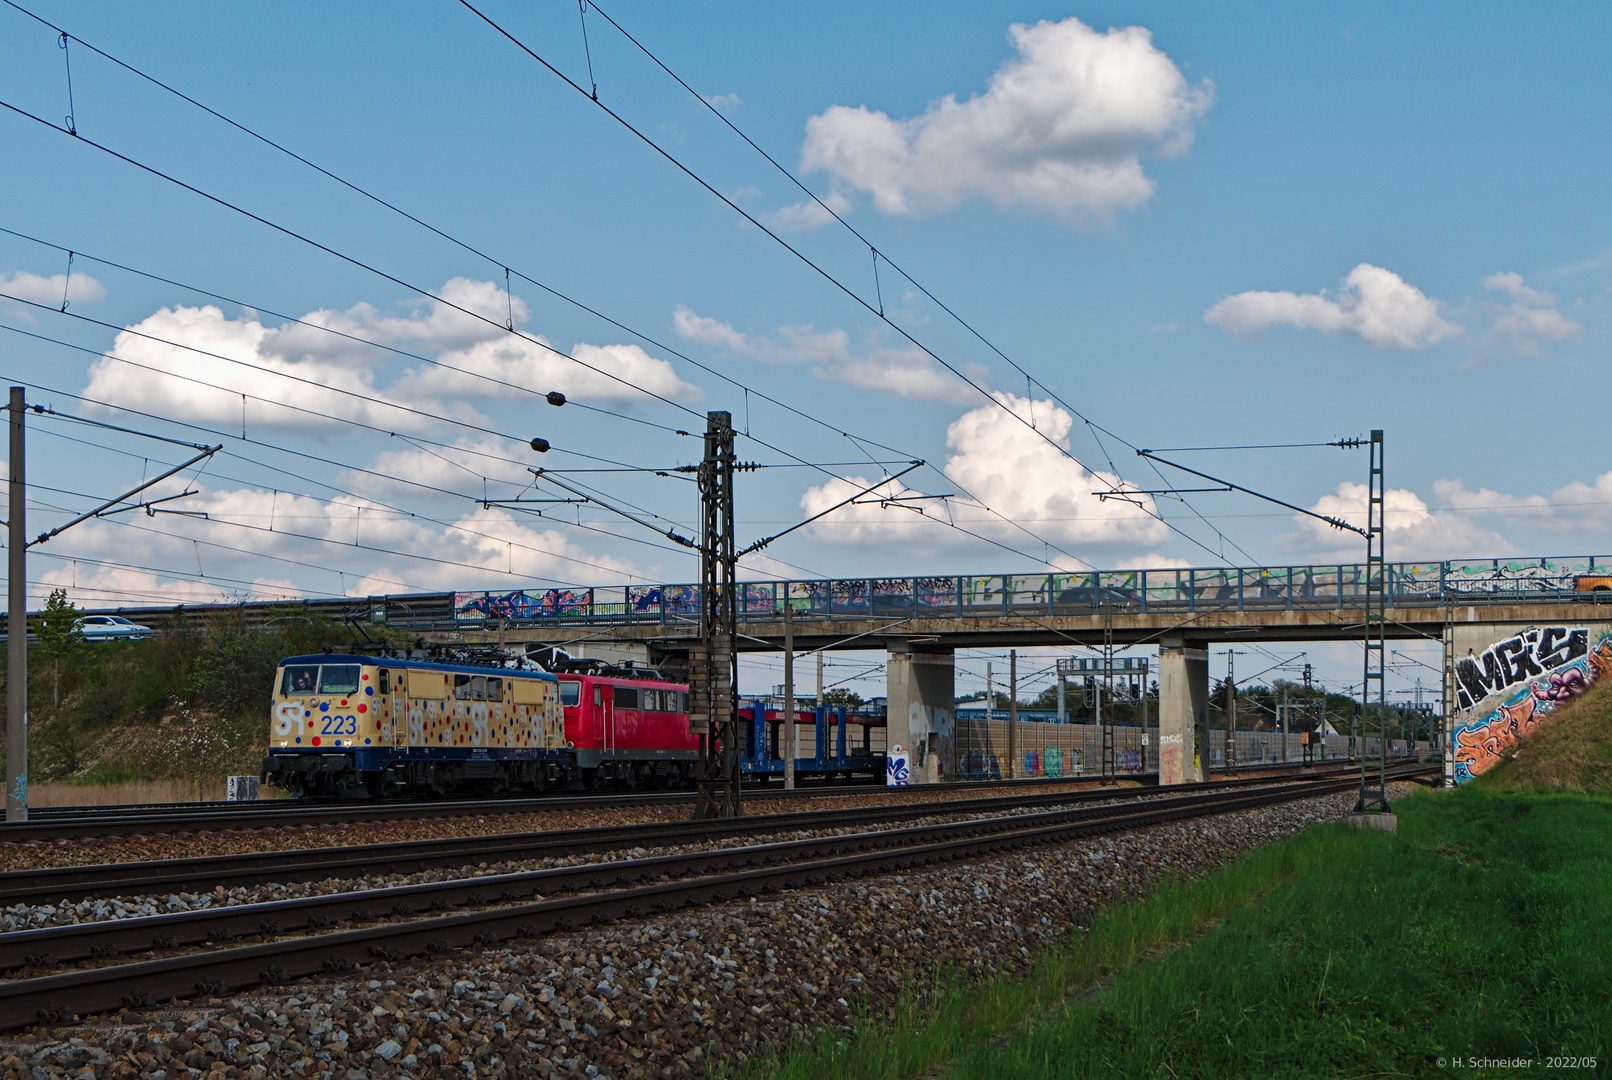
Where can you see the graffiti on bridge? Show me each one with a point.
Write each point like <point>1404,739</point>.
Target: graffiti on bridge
<point>684,600</point>
<point>1541,668</point>
<point>1427,579</point>
<point>522,605</point>
<point>874,596</point>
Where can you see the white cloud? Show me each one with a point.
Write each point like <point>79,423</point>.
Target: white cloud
<point>1151,562</point>
<point>905,371</point>
<point>1017,473</point>
<point>1573,507</point>
<point>47,290</point>
<point>1411,531</point>
<point>102,584</point>
<point>724,102</point>
<point>460,469</point>
<point>296,367</point>
<point>1531,319</point>
<point>613,373</point>
<point>1024,477</point>
<point>798,217</point>
<point>353,538</point>
<point>275,381</point>
<point>1060,130</point>
<point>1374,303</point>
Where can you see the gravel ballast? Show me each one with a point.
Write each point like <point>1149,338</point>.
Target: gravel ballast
<point>409,825</point>
<point>658,996</point>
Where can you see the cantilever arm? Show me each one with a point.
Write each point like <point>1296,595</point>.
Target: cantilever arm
<point>1336,523</point>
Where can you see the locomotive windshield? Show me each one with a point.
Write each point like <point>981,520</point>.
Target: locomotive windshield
<point>338,679</point>
<point>299,679</point>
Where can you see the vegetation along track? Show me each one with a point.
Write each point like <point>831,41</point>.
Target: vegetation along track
<point>65,823</point>
<point>676,881</point>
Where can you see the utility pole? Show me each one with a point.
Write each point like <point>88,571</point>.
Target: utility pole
<point>1376,646</point>
<point>17,626</point>
<point>822,706</point>
<point>990,716</point>
<point>1283,724</point>
<point>17,592</point>
<point>1013,709</point>
<point>713,664</point>
<point>1105,701</point>
<point>792,747</point>
<point>1231,712</point>
<point>1063,699</point>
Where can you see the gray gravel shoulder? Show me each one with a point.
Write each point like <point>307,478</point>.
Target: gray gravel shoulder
<point>658,997</point>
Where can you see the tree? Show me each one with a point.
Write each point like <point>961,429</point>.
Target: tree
<point>850,699</point>
<point>57,627</point>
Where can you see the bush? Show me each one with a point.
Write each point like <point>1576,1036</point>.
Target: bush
<point>58,751</point>
<point>152,694</point>
<point>234,666</point>
<point>106,694</point>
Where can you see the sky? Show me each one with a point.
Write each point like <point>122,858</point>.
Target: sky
<point>1066,232</point>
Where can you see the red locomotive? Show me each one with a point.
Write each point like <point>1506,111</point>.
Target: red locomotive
<point>627,727</point>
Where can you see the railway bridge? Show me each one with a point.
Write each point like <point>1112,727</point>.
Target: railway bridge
<point>1518,634</point>
<point>1473,607</point>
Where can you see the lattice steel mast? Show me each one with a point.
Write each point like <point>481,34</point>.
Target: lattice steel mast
<point>713,664</point>
<point>1376,611</point>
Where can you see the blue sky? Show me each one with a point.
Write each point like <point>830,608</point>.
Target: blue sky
<point>1195,226</point>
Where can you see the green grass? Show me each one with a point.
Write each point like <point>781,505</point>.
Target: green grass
<point>1484,929</point>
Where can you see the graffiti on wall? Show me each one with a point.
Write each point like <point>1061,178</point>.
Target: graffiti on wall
<point>896,770</point>
<point>1522,680</point>
<point>1519,657</point>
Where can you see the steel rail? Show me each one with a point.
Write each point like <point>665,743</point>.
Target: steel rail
<point>112,937</point>
<point>70,883</point>
<point>210,817</point>
<point>63,997</point>
<point>79,823</point>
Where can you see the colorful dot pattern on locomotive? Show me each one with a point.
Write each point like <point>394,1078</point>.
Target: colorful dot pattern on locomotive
<point>341,703</point>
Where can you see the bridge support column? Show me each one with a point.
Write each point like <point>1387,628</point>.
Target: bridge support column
<point>921,692</point>
<point>1183,711</point>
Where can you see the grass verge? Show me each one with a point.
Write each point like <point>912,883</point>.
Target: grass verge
<point>1483,930</point>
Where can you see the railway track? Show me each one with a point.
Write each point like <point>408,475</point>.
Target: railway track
<point>674,881</point>
<point>61,823</point>
<point>52,885</point>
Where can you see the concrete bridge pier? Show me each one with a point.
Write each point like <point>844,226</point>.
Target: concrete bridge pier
<point>921,692</point>
<point>1183,710</point>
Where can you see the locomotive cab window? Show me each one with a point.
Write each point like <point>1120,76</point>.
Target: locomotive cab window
<point>386,681</point>
<point>338,679</point>
<point>299,679</point>
<point>570,693</point>
<point>495,688</point>
<point>463,688</point>
<point>626,697</point>
<point>651,701</point>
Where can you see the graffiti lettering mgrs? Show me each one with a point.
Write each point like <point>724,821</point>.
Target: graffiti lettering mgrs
<point>1518,658</point>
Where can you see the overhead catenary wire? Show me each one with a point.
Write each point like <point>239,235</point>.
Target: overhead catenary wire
<point>423,292</point>
<point>878,311</point>
<point>475,315</point>
<point>372,503</point>
<point>342,465</point>
<point>360,424</point>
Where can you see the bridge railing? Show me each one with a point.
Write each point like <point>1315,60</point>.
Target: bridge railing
<point>1290,588</point>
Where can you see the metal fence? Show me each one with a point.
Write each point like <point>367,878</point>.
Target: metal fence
<point>1584,578</point>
